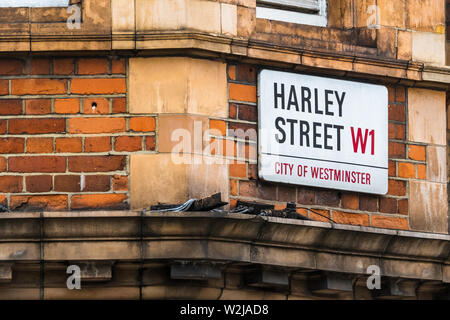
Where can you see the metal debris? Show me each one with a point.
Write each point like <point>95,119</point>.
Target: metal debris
<point>205,204</point>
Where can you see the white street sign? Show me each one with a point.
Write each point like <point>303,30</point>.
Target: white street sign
<point>323,132</point>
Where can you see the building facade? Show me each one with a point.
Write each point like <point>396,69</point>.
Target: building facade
<point>109,107</point>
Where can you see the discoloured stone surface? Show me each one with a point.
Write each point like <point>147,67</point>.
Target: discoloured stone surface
<point>178,85</point>
<point>436,164</point>
<point>158,179</point>
<point>428,48</point>
<point>428,207</point>
<point>426,116</point>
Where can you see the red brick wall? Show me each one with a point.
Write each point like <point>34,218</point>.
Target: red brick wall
<point>57,152</point>
<point>390,211</point>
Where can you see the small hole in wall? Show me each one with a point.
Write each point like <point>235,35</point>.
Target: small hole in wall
<point>94,106</point>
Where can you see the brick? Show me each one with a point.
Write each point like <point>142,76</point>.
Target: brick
<point>389,222</point>
<point>150,143</point>
<point>232,72</point>
<point>406,170</point>
<point>242,131</point>
<point>266,191</point>
<point>391,94</point>
<point>11,184</point>
<point>44,164</point>
<point>247,113</point>
<point>422,172</point>
<point>118,66</point>
<point>233,111</point>
<point>223,147</point>
<point>67,106</point>
<point>36,126</point>
<point>234,187</point>
<point>350,201</point>
<point>328,198</point>
<point>251,153</point>
<point>92,66</point>
<point>350,218</point>
<point>4,87</point>
<point>63,66</point>
<point>120,183</point>
<point>128,143</point>
<point>119,105</point>
<point>38,67</point>
<point>306,196</point>
<point>218,127</point>
<point>12,145</point>
<point>397,131</point>
<point>397,150</point>
<point>403,206</point>
<point>392,169</point>
<point>400,94</point>
<point>368,203</point>
<point>98,201</point>
<point>96,163</point>
<point>3,124</point>
<point>97,144</point>
<point>68,183</point>
<point>97,125</point>
<point>248,189</point>
<point>38,86</point>
<point>142,124</point>
<point>319,215</point>
<point>417,152</point>
<point>397,188</point>
<point>397,113</point>
<point>252,170</point>
<point>238,170</point>
<point>241,92</point>
<point>96,106</point>
<point>3,164</point>
<point>3,201</point>
<point>39,145</point>
<point>37,203</point>
<point>97,183</point>
<point>388,205</point>
<point>98,86</point>
<point>11,67</point>
<point>10,107</point>
<point>287,194</point>
<point>71,145</point>
<point>246,73</point>
<point>38,106</point>
<point>39,183</point>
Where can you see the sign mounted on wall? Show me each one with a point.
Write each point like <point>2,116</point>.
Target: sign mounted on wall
<point>323,132</point>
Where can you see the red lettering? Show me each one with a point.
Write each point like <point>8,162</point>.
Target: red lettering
<point>359,140</point>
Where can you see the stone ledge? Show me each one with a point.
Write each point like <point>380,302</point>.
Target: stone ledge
<point>235,238</point>
<point>253,51</point>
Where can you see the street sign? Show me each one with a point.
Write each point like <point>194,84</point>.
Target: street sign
<point>323,132</point>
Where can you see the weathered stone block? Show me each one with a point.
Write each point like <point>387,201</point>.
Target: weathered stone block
<point>159,179</point>
<point>178,85</point>
<point>427,116</point>
<point>428,48</point>
<point>428,207</point>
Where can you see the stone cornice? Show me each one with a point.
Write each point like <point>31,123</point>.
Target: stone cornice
<point>233,238</point>
<point>353,64</point>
